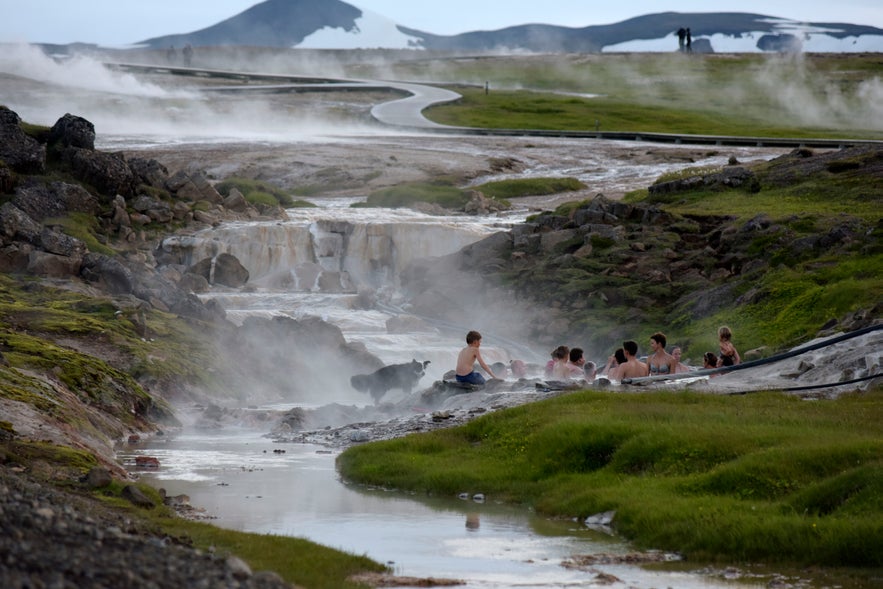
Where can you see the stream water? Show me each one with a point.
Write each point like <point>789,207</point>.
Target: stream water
<point>305,266</point>
<point>246,482</point>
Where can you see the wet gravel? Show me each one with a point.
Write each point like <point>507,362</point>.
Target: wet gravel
<point>54,539</point>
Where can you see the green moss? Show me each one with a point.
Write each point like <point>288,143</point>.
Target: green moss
<point>504,189</point>
<point>29,453</point>
<point>255,191</point>
<point>442,194</point>
<point>85,228</point>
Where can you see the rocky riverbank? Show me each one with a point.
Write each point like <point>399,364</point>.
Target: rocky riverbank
<point>53,538</point>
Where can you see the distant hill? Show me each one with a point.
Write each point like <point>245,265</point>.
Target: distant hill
<point>333,24</point>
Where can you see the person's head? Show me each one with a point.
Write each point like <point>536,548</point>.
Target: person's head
<point>589,369</point>
<point>518,368</point>
<point>630,347</point>
<point>709,360</point>
<point>561,353</point>
<point>499,369</point>
<point>619,354</point>
<point>676,353</point>
<point>724,333</point>
<point>576,356</point>
<point>659,339</point>
<point>473,337</point>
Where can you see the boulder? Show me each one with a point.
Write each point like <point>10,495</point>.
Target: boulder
<point>98,477</point>
<point>223,269</point>
<point>73,131</point>
<point>157,210</point>
<point>62,244</point>
<point>193,187</point>
<point>14,257</point>
<point>109,173</point>
<point>236,202</point>
<point>149,172</point>
<point>53,265</point>
<point>136,496</point>
<point>16,225</point>
<point>229,271</point>
<point>18,151</point>
<point>108,272</point>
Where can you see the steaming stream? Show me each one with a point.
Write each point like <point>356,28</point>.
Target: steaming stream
<point>315,263</point>
<point>238,478</point>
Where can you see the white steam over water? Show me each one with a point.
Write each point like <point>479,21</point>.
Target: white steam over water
<point>41,90</point>
<point>78,72</point>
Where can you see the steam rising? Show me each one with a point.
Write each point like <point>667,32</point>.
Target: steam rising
<point>41,89</point>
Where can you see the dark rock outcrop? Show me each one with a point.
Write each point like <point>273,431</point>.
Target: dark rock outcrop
<point>73,131</point>
<point>18,151</point>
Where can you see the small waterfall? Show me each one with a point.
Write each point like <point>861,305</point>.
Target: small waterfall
<point>322,261</point>
<point>331,252</point>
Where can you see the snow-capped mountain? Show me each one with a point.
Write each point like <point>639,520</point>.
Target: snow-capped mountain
<point>333,24</point>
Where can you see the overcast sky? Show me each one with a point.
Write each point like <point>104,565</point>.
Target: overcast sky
<point>122,22</point>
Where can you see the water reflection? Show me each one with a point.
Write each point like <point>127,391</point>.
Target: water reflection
<point>248,483</point>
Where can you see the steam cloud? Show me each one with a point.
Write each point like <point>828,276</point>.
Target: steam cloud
<point>41,89</point>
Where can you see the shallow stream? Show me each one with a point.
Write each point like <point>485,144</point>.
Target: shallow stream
<point>246,482</point>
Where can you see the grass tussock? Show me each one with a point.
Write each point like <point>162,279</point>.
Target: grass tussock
<point>505,189</point>
<point>441,193</point>
<point>256,192</point>
<point>761,477</point>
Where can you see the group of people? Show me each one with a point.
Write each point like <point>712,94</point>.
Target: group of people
<point>186,53</point>
<point>624,363</point>
<point>570,363</point>
<point>685,39</point>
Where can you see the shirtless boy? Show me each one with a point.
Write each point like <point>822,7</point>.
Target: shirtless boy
<point>467,359</point>
<point>633,368</point>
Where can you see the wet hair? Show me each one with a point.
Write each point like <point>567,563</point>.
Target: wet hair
<point>561,352</point>
<point>710,358</point>
<point>724,333</point>
<point>472,336</point>
<point>630,346</point>
<point>659,338</point>
<point>619,354</point>
<point>589,368</point>
<point>576,354</point>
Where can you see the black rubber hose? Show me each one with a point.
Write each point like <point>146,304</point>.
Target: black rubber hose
<point>761,362</point>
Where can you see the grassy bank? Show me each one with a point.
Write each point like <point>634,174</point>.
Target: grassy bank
<point>296,560</point>
<point>751,95</point>
<point>761,477</point>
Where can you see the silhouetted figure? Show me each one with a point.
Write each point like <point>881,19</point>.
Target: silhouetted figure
<point>171,54</point>
<point>689,41</point>
<point>682,34</point>
<point>188,54</point>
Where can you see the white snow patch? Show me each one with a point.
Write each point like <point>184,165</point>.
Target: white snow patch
<point>372,31</point>
<point>810,42</point>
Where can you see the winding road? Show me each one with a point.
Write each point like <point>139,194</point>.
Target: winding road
<point>407,112</point>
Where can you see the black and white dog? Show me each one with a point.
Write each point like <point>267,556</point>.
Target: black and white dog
<point>395,376</point>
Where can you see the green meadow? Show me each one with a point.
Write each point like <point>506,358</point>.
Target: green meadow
<point>734,479</point>
<point>780,95</point>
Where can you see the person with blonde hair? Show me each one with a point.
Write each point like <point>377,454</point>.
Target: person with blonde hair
<point>729,356</point>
